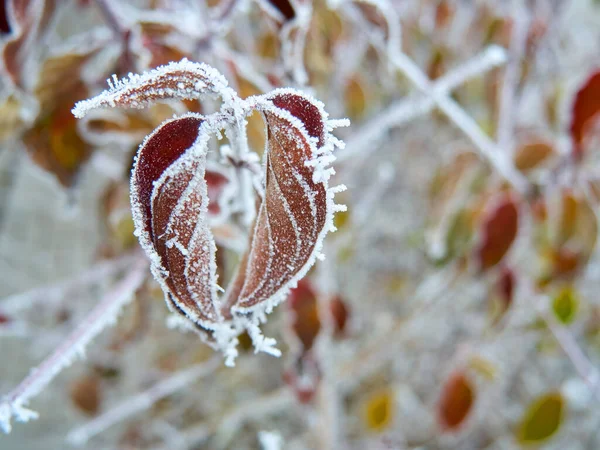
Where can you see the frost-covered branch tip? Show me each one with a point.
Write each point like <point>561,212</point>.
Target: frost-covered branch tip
<point>170,198</point>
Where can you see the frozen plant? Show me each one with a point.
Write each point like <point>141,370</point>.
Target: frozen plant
<point>170,197</point>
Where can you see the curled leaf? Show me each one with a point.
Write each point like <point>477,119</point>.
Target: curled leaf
<point>170,206</point>
<point>296,211</point>
<point>183,80</point>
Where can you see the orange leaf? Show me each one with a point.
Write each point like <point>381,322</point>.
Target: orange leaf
<point>458,396</point>
<point>305,312</point>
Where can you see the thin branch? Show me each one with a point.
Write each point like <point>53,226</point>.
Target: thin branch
<point>403,111</point>
<point>104,314</point>
<point>518,42</point>
<point>142,401</point>
<point>96,274</point>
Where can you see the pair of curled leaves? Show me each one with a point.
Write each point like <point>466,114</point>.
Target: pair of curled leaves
<point>171,186</point>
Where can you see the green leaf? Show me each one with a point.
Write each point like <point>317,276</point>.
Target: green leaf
<point>565,305</point>
<point>542,419</point>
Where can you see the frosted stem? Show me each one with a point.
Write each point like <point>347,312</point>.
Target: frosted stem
<point>96,274</point>
<point>403,111</point>
<point>584,367</point>
<point>511,79</point>
<point>463,121</point>
<point>142,401</point>
<point>104,314</point>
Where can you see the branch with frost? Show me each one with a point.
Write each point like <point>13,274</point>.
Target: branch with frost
<point>103,315</point>
<point>582,364</point>
<point>96,274</point>
<point>170,200</point>
<point>360,143</point>
<point>518,42</point>
<point>447,105</point>
<point>141,402</point>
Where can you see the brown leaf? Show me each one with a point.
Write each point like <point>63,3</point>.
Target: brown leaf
<point>28,19</point>
<point>340,313</point>
<point>294,210</point>
<point>86,394</point>
<point>54,142</point>
<point>499,230</point>
<point>585,112</point>
<point>170,205</point>
<point>456,401</point>
<point>305,314</point>
<point>531,155</point>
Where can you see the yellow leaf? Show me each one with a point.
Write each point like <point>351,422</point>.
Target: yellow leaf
<point>542,419</point>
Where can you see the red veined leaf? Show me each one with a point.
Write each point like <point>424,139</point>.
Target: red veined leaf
<point>499,230</point>
<point>170,207</point>
<point>183,80</point>
<point>585,112</point>
<point>292,217</point>
<point>456,401</point>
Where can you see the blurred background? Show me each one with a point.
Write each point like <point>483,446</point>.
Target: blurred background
<point>457,306</point>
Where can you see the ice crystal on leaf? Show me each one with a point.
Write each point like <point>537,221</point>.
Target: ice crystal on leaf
<point>170,197</point>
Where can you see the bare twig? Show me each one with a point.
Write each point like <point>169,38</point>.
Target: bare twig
<point>104,314</point>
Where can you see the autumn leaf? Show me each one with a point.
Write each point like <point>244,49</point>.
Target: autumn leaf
<point>304,309</point>
<point>586,107</point>
<point>531,155</point>
<point>542,419</point>
<point>170,207</point>
<point>293,215</point>
<point>379,410</point>
<point>456,401</point>
<point>499,230</point>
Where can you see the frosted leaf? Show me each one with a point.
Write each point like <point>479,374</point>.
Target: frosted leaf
<point>170,208</point>
<point>297,209</point>
<point>184,80</point>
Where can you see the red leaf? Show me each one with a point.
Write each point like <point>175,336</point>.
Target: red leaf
<point>292,216</point>
<point>170,205</point>
<point>499,230</point>
<point>340,313</point>
<point>305,314</point>
<point>585,112</point>
<point>456,401</point>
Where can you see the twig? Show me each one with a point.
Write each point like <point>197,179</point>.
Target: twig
<point>405,110</point>
<point>505,130</point>
<point>98,273</point>
<point>104,314</point>
<point>142,401</point>
<point>584,367</point>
